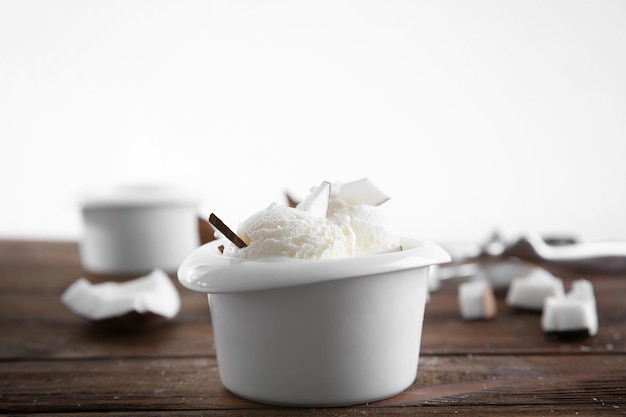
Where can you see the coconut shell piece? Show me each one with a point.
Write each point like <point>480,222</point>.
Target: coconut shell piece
<point>143,300</point>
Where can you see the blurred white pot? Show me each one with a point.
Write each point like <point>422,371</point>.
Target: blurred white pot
<point>135,229</point>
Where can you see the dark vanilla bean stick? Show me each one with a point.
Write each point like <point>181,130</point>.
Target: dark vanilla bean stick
<point>226,231</point>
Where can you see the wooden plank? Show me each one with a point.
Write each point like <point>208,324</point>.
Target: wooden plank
<point>54,363</point>
<point>467,382</point>
<point>39,325</point>
<point>61,341</point>
<point>68,336</point>
<point>452,410</point>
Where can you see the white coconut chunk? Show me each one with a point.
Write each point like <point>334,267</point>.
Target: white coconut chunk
<point>477,300</point>
<point>529,292</point>
<point>500,273</point>
<point>317,202</point>
<point>362,191</point>
<point>450,270</point>
<point>434,278</point>
<point>152,293</point>
<point>574,311</point>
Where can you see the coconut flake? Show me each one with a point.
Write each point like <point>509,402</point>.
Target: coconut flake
<point>362,191</point>
<point>529,292</point>
<point>152,293</point>
<point>317,202</point>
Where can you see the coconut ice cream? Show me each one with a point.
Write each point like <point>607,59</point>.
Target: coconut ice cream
<point>318,304</point>
<point>334,221</point>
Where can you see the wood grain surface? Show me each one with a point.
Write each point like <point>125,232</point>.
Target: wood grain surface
<point>53,362</point>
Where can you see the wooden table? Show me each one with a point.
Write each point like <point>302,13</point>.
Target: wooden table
<point>55,363</point>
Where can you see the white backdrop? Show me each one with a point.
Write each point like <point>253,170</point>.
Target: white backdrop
<point>472,115</point>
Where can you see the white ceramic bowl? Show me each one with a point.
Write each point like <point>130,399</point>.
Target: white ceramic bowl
<point>316,332</point>
<point>135,229</point>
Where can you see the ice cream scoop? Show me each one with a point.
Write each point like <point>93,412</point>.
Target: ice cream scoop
<point>589,257</point>
<point>608,257</point>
